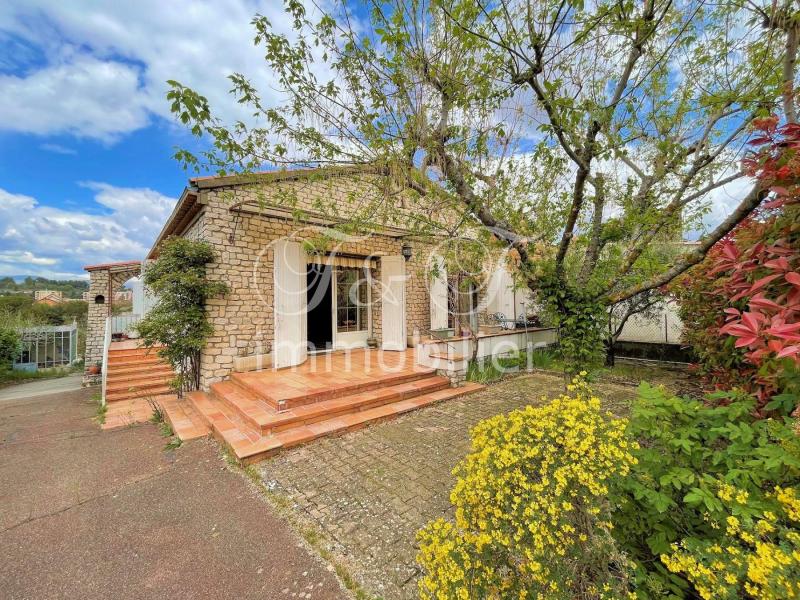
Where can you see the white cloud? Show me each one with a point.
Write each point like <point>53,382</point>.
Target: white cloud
<point>25,257</point>
<point>722,202</point>
<point>58,149</point>
<point>108,62</point>
<point>43,240</point>
<point>85,97</point>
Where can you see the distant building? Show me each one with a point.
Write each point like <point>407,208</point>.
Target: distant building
<point>42,294</point>
<point>49,297</point>
<point>85,296</point>
<point>123,296</point>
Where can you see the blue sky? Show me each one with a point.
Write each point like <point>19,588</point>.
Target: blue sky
<point>86,136</point>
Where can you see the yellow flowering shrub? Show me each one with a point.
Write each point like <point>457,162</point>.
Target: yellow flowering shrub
<point>708,476</point>
<point>531,514</point>
<point>758,557</point>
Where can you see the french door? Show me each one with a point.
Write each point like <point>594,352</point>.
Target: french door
<point>351,307</point>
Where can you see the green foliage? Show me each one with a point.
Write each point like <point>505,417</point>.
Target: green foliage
<point>531,508</point>
<point>28,313</point>
<point>102,408</point>
<point>689,453</point>
<point>13,376</point>
<point>178,321</point>
<point>10,346</point>
<point>70,288</point>
<point>757,556</point>
<point>17,311</point>
<point>483,372</point>
<point>582,321</point>
<point>685,499</point>
<point>541,359</point>
<point>488,371</point>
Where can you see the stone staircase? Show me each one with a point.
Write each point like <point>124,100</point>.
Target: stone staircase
<point>136,372</point>
<point>257,414</point>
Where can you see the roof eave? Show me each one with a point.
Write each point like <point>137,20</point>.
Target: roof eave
<point>189,196</point>
<point>211,182</point>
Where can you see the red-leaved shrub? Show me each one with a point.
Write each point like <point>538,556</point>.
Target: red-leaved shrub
<point>741,306</point>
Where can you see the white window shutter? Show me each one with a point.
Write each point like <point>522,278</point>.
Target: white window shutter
<point>393,302</point>
<point>289,301</point>
<point>438,293</point>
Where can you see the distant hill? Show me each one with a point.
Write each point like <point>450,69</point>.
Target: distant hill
<point>17,284</point>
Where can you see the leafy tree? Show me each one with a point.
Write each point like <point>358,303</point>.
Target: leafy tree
<point>10,346</point>
<point>584,137</point>
<point>178,321</point>
<point>45,314</point>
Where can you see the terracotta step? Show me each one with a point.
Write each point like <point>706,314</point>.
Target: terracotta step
<point>249,445</point>
<point>137,392</point>
<point>263,417</point>
<point>115,381</point>
<point>286,400</point>
<point>139,382</point>
<point>185,421</point>
<point>134,352</point>
<point>138,368</point>
<point>125,361</point>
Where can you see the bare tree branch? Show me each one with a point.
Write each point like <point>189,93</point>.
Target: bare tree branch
<point>745,207</point>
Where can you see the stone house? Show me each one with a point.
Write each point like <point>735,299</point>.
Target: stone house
<point>298,286</point>
<point>300,290</point>
<point>49,297</point>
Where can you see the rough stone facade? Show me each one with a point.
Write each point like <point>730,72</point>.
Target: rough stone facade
<point>96,319</point>
<point>243,318</point>
<point>99,285</point>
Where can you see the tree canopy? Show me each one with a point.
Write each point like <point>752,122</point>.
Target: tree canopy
<point>584,137</point>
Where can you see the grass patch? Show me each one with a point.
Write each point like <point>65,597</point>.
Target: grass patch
<point>164,428</point>
<point>173,444</point>
<point>102,409</point>
<point>158,414</point>
<point>491,370</point>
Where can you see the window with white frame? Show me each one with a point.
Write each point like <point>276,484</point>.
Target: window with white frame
<point>351,299</point>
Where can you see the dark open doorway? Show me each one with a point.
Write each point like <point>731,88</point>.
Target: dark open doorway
<point>320,307</point>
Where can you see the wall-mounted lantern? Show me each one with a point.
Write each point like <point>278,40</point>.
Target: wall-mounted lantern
<point>407,252</point>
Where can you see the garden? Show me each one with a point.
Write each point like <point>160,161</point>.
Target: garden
<point>681,498</point>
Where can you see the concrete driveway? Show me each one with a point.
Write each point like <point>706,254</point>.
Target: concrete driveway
<point>41,387</point>
<point>91,514</point>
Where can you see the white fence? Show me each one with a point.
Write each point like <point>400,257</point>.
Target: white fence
<point>123,324</point>
<point>143,300</point>
<point>437,353</point>
<point>106,345</point>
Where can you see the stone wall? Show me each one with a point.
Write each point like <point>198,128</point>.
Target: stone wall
<point>243,319</point>
<point>96,319</point>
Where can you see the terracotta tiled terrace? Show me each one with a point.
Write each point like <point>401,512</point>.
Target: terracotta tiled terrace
<point>259,413</point>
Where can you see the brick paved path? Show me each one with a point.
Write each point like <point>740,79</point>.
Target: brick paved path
<point>371,490</point>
